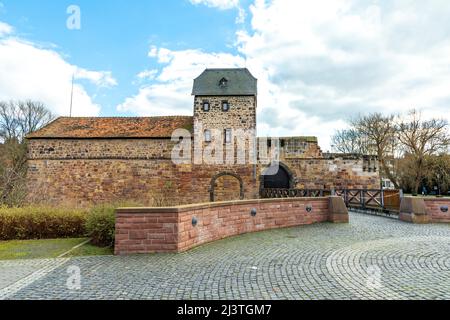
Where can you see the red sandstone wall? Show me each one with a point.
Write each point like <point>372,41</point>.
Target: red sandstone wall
<point>147,182</point>
<point>146,230</point>
<point>332,173</point>
<point>433,207</point>
<point>89,172</point>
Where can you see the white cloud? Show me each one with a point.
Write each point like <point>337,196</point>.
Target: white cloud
<point>28,71</point>
<point>320,62</point>
<point>99,78</point>
<point>221,4</point>
<point>170,93</point>
<point>329,60</point>
<point>224,5</point>
<point>241,15</point>
<point>5,28</point>
<point>147,74</point>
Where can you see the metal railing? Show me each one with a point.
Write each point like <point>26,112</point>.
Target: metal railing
<point>387,201</point>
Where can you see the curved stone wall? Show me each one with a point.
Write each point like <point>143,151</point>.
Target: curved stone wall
<point>150,230</point>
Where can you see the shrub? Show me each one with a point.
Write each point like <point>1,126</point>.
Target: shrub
<point>33,222</point>
<point>100,225</point>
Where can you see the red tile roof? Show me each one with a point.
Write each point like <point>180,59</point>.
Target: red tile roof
<point>91,128</point>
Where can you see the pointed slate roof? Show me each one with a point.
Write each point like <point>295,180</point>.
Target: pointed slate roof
<point>239,82</point>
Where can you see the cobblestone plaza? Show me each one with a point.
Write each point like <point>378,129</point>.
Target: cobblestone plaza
<point>370,258</point>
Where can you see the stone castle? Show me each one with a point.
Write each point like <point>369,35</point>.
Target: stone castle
<point>85,161</point>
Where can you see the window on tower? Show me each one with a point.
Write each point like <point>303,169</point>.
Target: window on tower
<point>207,136</point>
<point>228,135</point>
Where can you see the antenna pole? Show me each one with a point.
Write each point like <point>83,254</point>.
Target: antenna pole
<point>71,96</point>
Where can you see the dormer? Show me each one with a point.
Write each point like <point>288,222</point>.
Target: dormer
<point>225,82</point>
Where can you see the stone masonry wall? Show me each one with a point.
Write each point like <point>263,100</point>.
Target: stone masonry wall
<point>100,149</point>
<point>332,173</point>
<point>436,209</point>
<point>91,171</point>
<point>242,113</point>
<point>86,172</point>
<point>148,230</point>
<point>147,182</point>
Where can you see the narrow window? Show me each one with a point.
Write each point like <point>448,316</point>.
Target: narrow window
<point>206,106</point>
<point>228,136</point>
<point>225,106</point>
<point>207,136</point>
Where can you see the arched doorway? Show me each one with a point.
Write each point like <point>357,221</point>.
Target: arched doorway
<point>226,186</point>
<point>277,177</point>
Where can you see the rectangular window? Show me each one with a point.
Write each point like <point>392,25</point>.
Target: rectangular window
<point>207,136</point>
<point>206,106</point>
<point>225,106</point>
<point>228,135</point>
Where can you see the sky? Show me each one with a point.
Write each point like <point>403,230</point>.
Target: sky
<point>318,63</point>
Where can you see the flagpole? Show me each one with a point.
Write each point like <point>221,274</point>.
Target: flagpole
<point>71,96</point>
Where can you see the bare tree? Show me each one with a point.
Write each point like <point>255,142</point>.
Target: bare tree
<point>17,119</point>
<point>350,141</point>
<point>421,138</point>
<point>380,132</point>
<point>8,121</point>
<point>438,172</point>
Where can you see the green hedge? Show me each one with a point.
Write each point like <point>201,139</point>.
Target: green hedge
<point>101,222</point>
<point>100,225</point>
<point>41,223</point>
<point>31,222</point>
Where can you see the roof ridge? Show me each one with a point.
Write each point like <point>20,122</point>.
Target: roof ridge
<point>226,69</point>
<point>108,127</point>
<point>123,117</point>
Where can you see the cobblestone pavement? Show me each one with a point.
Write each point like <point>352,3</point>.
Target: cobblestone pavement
<point>370,258</point>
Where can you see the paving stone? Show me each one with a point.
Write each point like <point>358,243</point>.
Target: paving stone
<point>370,258</point>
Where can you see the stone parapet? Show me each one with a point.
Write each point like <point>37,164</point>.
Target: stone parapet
<point>177,229</point>
<point>425,210</point>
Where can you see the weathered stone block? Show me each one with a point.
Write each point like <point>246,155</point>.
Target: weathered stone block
<point>412,209</point>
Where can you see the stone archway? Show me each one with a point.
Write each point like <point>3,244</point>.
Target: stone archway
<point>226,186</point>
<point>277,177</point>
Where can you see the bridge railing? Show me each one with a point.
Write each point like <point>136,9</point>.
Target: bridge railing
<point>365,199</point>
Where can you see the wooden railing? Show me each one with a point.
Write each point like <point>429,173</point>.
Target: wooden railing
<point>365,199</point>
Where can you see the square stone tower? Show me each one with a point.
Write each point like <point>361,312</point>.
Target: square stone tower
<point>225,103</point>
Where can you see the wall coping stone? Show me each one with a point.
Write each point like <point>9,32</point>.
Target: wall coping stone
<point>199,206</point>
<point>413,205</point>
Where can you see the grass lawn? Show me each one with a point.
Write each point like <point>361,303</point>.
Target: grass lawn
<point>40,249</point>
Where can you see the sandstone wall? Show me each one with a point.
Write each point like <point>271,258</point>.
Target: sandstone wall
<point>242,113</point>
<point>438,209</point>
<point>332,173</point>
<point>100,149</point>
<point>147,230</point>
<point>85,172</point>
<point>85,182</point>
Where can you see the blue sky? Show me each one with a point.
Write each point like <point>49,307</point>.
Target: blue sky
<point>318,63</point>
<point>116,35</point>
